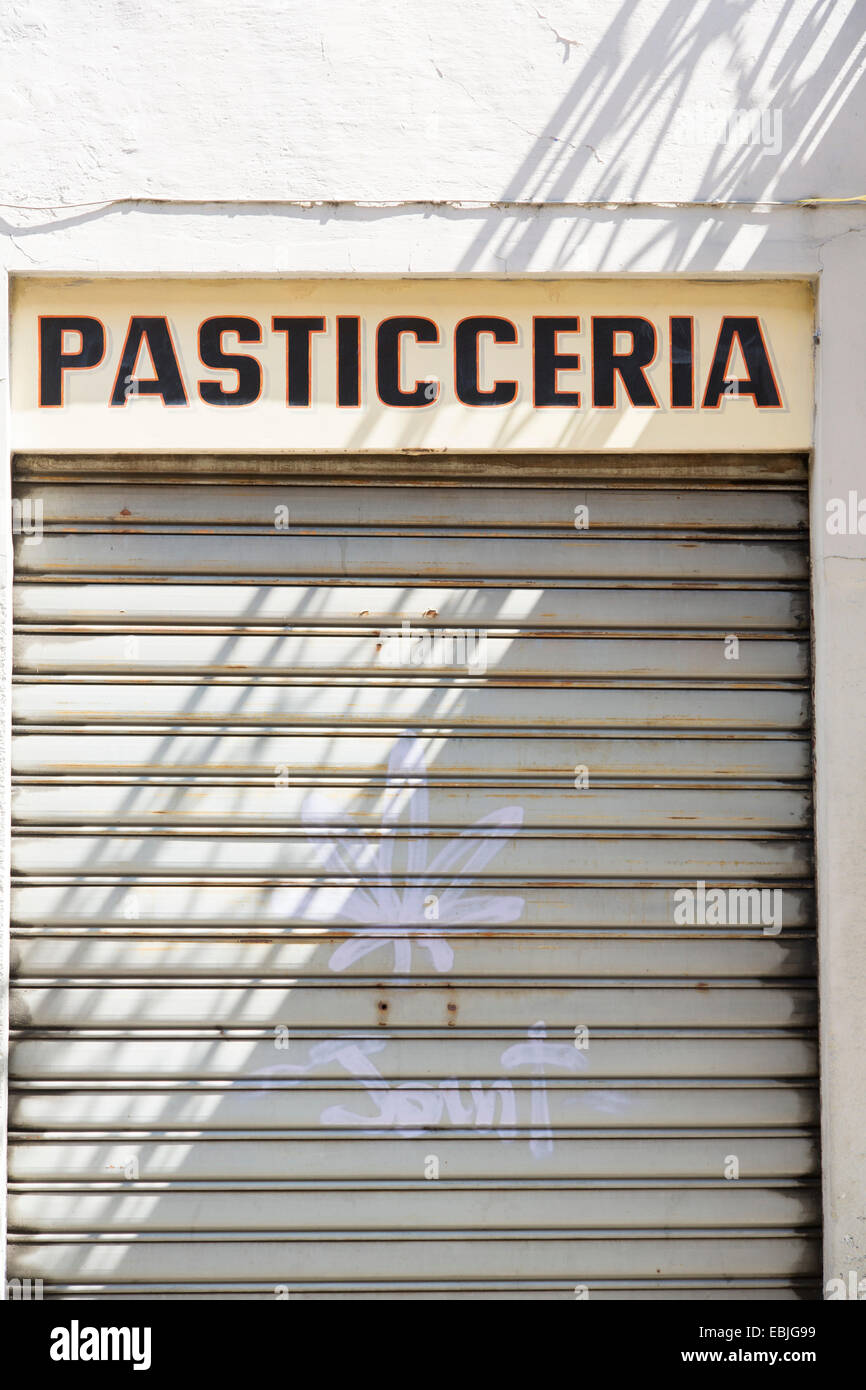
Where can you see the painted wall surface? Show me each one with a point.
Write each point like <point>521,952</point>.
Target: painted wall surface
<point>500,100</point>
<point>170,140</point>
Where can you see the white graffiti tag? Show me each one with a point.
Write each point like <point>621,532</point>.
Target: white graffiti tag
<point>412,1108</point>
<point>397,915</point>
<point>539,1055</point>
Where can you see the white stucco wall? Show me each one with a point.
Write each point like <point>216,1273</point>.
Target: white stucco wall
<point>388,100</point>
<point>232,116</point>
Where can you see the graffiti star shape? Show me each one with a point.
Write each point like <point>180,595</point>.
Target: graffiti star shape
<point>390,913</point>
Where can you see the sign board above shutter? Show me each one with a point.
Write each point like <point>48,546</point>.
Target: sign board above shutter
<point>377,365</point>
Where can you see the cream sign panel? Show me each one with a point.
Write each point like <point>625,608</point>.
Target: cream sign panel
<point>372,365</point>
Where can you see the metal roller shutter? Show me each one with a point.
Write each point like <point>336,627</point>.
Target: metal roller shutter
<point>302,913</point>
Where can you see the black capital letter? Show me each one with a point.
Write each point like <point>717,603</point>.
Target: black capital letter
<point>248,369</point>
<point>546,361</point>
<point>388,361</point>
<point>630,365</point>
<point>53,361</point>
<point>167,382</point>
<point>299,374</point>
<point>760,383</point>
<point>348,360</point>
<point>466,361</point>
<point>682,364</point>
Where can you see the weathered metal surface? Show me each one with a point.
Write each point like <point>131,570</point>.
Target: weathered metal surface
<point>616,906</point>
<point>518,860</point>
<point>292,607</point>
<point>270,702</point>
<point>99,952</point>
<point>417,469</point>
<point>353,1156</point>
<point>639,807</point>
<point>291,1106</point>
<point>480,1290</point>
<point>445,1256</point>
<point>428,1206</point>
<point>473,509</point>
<point>479,759</point>
<point>502,656</point>
<point>424,1004</point>
<point>686,1054</point>
<point>359,557</point>
<point>219,841</point>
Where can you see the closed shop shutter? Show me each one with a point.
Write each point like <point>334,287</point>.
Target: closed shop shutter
<point>351,961</point>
